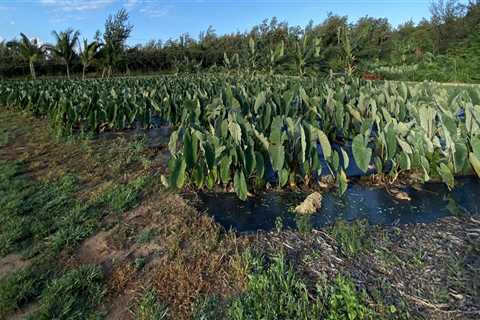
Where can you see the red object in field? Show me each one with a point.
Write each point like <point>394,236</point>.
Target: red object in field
<point>371,76</point>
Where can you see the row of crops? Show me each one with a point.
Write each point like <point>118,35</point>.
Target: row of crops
<point>247,131</point>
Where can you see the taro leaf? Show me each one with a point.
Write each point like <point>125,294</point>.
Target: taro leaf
<point>303,144</point>
<point>259,101</point>
<point>391,141</point>
<point>460,156</point>
<point>259,164</point>
<point>475,142</point>
<point>262,139</point>
<point>276,130</point>
<point>361,153</point>
<point>172,144</point>
<point>177,176</point>
<point>190,148</point>
<point>235,132</point>
<point>277,155</point>
<point>283,177</point>
<point>325,144</point>
<point>225,164</point>
<point>209,155</point>
<point>475,162</point>
<point>211,179</point>
<point>426,168</point>
<point>346,159</point>
<point>240,185</point>
<point>378,165</point>
<point>198,175</point>
<point>446,174</point>
<point>406,148</point>
<point>249,160</point>
<point>342,182</point>
<point>335,161</point>
<point>404,161</point>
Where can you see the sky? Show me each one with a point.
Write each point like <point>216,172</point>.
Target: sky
<point>164,19</point>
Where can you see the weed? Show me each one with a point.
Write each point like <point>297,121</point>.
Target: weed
<point>275,292</point>
<point>145,236</point>
<point>119,198</point>
<point>149,308</point>
<point>352,238</point>
<point>343,302</point>
<point>75,295</point>
<point>304,225</point>
<point>208,308</point>
<point>22,286</point>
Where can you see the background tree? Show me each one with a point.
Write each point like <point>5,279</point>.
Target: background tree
<point>29,50</point>
<point>65,46</point>
<point>117,31</point>
<point>88,54</point>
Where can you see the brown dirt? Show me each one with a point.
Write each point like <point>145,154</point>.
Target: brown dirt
<point>11,263</point>
<point>433,268</point>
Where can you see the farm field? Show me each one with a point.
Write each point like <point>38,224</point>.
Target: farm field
<point>98,180</point>
<point>154,167</point>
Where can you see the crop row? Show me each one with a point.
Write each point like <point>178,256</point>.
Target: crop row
<point>245,131</point>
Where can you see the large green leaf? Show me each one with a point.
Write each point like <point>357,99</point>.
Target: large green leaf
<point>240,185</point>
<point>177,176</point>
<point>446,174</point>
<point>277,156</point>
<point>325,144</point>
<point>361,153</point>
<point>475,162</point>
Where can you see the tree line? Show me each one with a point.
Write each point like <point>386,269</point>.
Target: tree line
<point>445,47</point>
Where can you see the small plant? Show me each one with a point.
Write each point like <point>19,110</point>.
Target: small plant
<point>145,236</point>
<point>278,224</point>
<point>75,295</point>
<point>304,224</point>
<point>149,308</point>
<point>352,237</point>
<point>274,292</point>
<point>344,303</point>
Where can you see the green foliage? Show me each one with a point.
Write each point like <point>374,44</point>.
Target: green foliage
<point>150,308</point>
<point>74,295</point>
<point>20,287</point>
<point>344,303</point>
<point>275,292</point>
<point>232,130</point>
<point>352,238</point>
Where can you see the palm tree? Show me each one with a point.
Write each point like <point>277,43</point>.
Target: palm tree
<point>64,49</point>
<point>29,50</point>
<point>88,54</point>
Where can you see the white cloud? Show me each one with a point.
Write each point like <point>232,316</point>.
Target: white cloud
<point>1,39</point>
<point>148,8</point>
<point>76,5</point>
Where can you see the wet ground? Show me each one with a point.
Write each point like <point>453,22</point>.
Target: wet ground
<point>263,211</point>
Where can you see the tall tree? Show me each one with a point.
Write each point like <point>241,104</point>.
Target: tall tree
<point>117,31</point>
<point>65,46</point>
<point>29,49</point>
<point>88,54</point>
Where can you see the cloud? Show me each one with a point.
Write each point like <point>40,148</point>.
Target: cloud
<point>76,5</point>
<point>149,8</point>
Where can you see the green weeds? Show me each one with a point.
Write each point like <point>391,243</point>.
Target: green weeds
<point>352,238</point>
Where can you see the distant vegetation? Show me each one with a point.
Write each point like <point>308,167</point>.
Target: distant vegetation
<point>444,48</point>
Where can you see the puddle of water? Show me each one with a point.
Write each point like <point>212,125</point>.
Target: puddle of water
<point>359,202</point>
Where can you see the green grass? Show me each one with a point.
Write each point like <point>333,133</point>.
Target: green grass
<point>275,291</point>
<point>149,308</point>
<point>41,219</point>
<point>74,295</point>
<point>25,285</point>
<point>352,238</point>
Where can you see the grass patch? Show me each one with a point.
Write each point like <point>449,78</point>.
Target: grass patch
<point>74,295</point>
<point>23,286</point>
<point>275,291</point>
<point>352,238</point>
<point>150,308</point>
